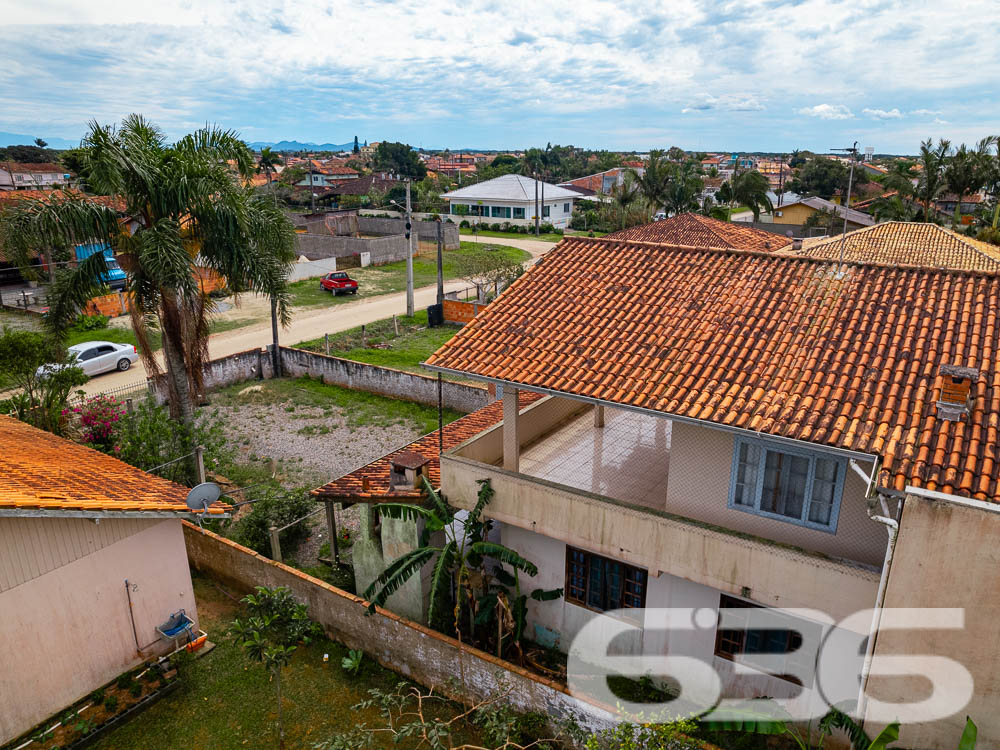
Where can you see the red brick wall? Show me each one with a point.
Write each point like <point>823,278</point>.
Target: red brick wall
<point>456,311</point>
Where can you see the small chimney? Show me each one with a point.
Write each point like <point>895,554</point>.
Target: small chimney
<point>796,244</point>
<point>956,384</point>
<point>407,469</point>
<point>365,484</point>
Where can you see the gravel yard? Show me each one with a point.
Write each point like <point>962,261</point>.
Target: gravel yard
<point>311,433</point>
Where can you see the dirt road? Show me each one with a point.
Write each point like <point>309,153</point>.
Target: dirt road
<point>311,322</point>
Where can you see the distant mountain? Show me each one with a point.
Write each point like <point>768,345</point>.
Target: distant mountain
<point>19,139</point>
<point>297,146</point>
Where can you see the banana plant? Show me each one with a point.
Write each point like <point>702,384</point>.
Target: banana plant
<point>458,559</point>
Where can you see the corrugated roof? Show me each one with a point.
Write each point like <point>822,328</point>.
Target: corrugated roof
<point>40,471</point>
<point>768,342</point>
<point>905,243</point>
<point>701,231</point>
<point>821,204</point>
<point>510,187</point>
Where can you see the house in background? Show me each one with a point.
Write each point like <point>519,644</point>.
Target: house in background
<point>92,560</point>
<point>14,176</point>
<point>731,431</point>
<point>511,198</point>
<point>798,213</point>
<point>325,176</point>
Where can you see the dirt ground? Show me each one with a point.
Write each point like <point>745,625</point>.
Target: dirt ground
<point>308,442</point>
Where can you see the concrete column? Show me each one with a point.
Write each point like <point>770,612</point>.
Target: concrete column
<point>598,415</point>
<point>511,439</point>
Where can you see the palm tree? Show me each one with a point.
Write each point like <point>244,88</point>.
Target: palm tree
<point>750,189</point>
<point>653,183</point>
<point>624,200</point>
<point>930,182</point>
<point>684,185</point>
<point>894,208</point>
<point>189,210</point>
<point>968,170</point>
<point>268,161</point>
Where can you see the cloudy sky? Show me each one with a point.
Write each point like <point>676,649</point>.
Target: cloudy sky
<point>701,74</point>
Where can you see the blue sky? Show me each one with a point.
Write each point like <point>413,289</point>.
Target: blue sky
<point>747,75</point>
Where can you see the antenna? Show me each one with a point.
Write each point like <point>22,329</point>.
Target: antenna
<point>853,151</point>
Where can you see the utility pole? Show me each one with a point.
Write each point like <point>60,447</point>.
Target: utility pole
<point>409,254</point>
<point>440,263</point>
<point>543,200</point>
<point>853,151</point>
<point>535,175</point>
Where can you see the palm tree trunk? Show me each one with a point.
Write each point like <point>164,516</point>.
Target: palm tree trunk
<point>181,400</point>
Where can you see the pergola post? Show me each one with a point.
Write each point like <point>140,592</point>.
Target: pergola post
<point>598,415</point>
<point>511,439</point>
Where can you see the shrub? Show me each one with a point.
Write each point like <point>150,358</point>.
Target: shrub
<point>464,224</point>
<point>89,323</point>
<point>135,689</point>
<point>111,703</point>
<point>124,680</point>
<point>276,508</point>
<point>97,697</point>
<point>99,416</point>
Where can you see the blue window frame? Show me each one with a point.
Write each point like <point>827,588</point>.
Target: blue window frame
<point>500,212</point>
<point>788,484</point>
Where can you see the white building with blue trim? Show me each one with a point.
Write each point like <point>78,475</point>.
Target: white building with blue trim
<point>511,198</point>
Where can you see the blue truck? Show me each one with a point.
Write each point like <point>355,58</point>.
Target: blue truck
<point>114,277</point>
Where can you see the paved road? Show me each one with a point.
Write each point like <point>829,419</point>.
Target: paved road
<point>312,322</point>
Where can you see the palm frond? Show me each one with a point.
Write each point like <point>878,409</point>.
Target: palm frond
<point>886,736</point>
<point>837,719</point>
<point>505,555</point>
<point>543,595</point>
<point>407,512</point>
<point>483,499</point>
<point>441,580</point>
<point>71,290</point>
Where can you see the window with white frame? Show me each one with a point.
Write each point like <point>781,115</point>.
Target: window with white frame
<point>788,484</point>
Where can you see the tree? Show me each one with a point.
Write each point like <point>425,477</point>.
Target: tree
<point>40,396</point>
<point>189,211</point>
<point>400,159</point>
<point>486,267</point>
<point>357,148</point>
<point>654,182</point>
<point>74,160</point>
<point>819,176</point>
<point>676,153</point>
<point>627,206</point>
<point>25,154</point>
<point>750,189</point>
<point>930,181</point>
<point>894,208</point>
<point>456,561</point>
<point>968,171</point>
<point>683,187</point>
<point>268,636</point>
<point>40,143</point>
<point>266,164</point>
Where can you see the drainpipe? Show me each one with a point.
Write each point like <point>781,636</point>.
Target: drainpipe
<point>892,527</point>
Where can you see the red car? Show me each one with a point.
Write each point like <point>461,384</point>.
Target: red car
<point>338,282</point>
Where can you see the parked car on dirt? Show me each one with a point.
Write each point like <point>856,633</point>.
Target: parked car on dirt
<point>95,357</point>
<point>338,282</point>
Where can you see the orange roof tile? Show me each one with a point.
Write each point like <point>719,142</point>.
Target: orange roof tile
<point>902,243</point>
<point>701,231</point>
<point>768,342</point>
<point>376,474</point>
<point>40,471</point>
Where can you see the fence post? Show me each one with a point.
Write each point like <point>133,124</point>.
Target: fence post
<point>275,545</point>
<point>326,343</point>
<point>331,530</point>
<point>199,458</point>
<point>128,406</point>
<point>364,337</point>
<point>395,325</point>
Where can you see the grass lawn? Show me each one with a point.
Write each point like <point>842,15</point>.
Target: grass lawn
<point>415,343</point>
<point>226,701</point>
<point>391,277</point>
<point>548,237</point>
<point>362,409</point>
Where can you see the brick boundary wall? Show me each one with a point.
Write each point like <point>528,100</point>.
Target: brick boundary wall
<point>408,648</point>
<point>425,230</point>
<point>459,311</point>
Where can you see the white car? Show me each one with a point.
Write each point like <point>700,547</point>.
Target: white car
<point>95,357</point>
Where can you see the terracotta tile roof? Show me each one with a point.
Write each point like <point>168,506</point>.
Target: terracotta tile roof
<point>36,168</point>
<point>701,231</point>
<point>10,197</point>
<point>39,471</point>
<point>767,342</point>
<point>376,474</point>
<point>902,243</point>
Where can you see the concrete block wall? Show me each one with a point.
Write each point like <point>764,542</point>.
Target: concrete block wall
<point>425,230</point>
<point>385,381</point>
<point>408,648</point>
<point>382,249</point>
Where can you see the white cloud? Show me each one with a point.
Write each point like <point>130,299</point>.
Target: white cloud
<point>882,114</point>
<point>727,103</point>
<point>926,112</point>
<point>828,112</point>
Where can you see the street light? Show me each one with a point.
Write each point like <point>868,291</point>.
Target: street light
<point>409,251</point>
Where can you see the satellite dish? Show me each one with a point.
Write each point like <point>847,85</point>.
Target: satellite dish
<point>202,495</point>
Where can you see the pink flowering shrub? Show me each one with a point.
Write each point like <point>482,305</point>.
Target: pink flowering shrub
<point>98,418</point>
